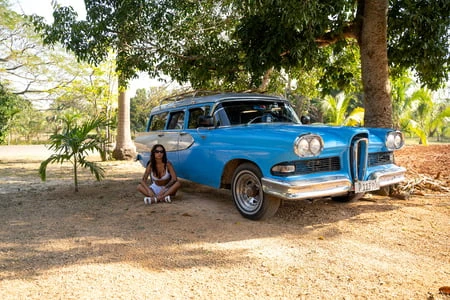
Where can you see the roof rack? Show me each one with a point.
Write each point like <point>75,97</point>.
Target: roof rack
<point>201,92</point>
<point>173,99</point>
<point>189,94</point>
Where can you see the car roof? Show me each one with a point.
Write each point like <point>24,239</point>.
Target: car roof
<point>196,99</point>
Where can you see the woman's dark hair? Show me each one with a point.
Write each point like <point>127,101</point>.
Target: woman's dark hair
<point>153,159</point>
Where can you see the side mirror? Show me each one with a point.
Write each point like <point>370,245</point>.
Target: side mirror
<point>305,120</point>
<point>205,121</point>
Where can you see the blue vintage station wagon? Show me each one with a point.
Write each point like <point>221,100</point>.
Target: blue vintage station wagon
<point>257,146</point>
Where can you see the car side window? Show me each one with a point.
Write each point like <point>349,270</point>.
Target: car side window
<point>220,117</point>
<point>195,113</point>
<point>176,120</point>
<point>158,121</point>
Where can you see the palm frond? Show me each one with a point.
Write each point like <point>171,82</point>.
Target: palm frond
<point>356,117</point>
<point>415,128</point>
<point>94,168</point>
<point>43,166</point>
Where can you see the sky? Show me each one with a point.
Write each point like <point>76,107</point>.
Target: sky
<point>44,8</point>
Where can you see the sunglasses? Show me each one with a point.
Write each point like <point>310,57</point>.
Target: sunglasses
<point>158,151</point>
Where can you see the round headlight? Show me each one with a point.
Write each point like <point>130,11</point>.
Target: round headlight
<point>398,140</point>
<point>308,145</point>
<point>315,146</point>
<point>303,147</point>
<point>394,140</point>
<point>390,141</point>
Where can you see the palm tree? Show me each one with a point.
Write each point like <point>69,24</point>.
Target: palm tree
<point>429,115</point>
<point>404,106</point>
<point>74,144</point>
<point>441,120</point>
<point>401,101</point>
<point>336,108</point>
<point>422,105</point>
<point>417,113</point>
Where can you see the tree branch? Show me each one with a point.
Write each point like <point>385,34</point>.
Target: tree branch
<point>350,32</point>
<point>265,80</point>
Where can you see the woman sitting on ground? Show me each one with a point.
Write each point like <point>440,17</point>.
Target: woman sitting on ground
<point>163,179</point>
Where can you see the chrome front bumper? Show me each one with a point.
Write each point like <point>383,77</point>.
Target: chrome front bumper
<point>327,186</point>
<point>389,176</point>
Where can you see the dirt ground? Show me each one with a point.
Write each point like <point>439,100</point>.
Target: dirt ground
<point>104,243</point>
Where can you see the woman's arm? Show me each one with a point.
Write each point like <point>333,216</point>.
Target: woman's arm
<point>173,175</point>
<point>146,174</point>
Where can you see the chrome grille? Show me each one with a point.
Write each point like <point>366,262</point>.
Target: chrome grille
<point>317,165</point>
<point>381,158</point>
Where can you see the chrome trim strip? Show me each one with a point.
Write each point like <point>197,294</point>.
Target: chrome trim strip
<point>358,161</point>
<point>305,189</point>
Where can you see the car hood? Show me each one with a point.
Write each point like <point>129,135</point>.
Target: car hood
<point>336,138</point>
<point>328,133</point>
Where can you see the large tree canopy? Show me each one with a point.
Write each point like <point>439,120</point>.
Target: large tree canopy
<point>241,44</point>
<point>419,39</point>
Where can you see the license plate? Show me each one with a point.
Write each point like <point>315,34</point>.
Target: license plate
<point>366,186</point>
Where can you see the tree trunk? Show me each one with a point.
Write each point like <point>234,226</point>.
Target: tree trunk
<point>374,63</point>
<point>75,172</point>
<point>125,148</point>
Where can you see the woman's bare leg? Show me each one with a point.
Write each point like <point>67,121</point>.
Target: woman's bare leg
<point>145,190</point>
<point>171,191</point>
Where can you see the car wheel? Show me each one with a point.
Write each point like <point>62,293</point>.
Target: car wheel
<point>351,197</point>
<point>248,195</point>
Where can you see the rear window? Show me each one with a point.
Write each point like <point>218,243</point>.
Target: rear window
<point>158,121</point>
<point>176,120</point>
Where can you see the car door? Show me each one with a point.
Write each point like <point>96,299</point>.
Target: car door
<point>155,133</point>
<point>194,150</point>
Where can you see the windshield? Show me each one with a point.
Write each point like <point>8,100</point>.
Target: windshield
<point>248,112</point>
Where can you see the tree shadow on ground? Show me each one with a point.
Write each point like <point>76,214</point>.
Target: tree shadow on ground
<point>50,226</point>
